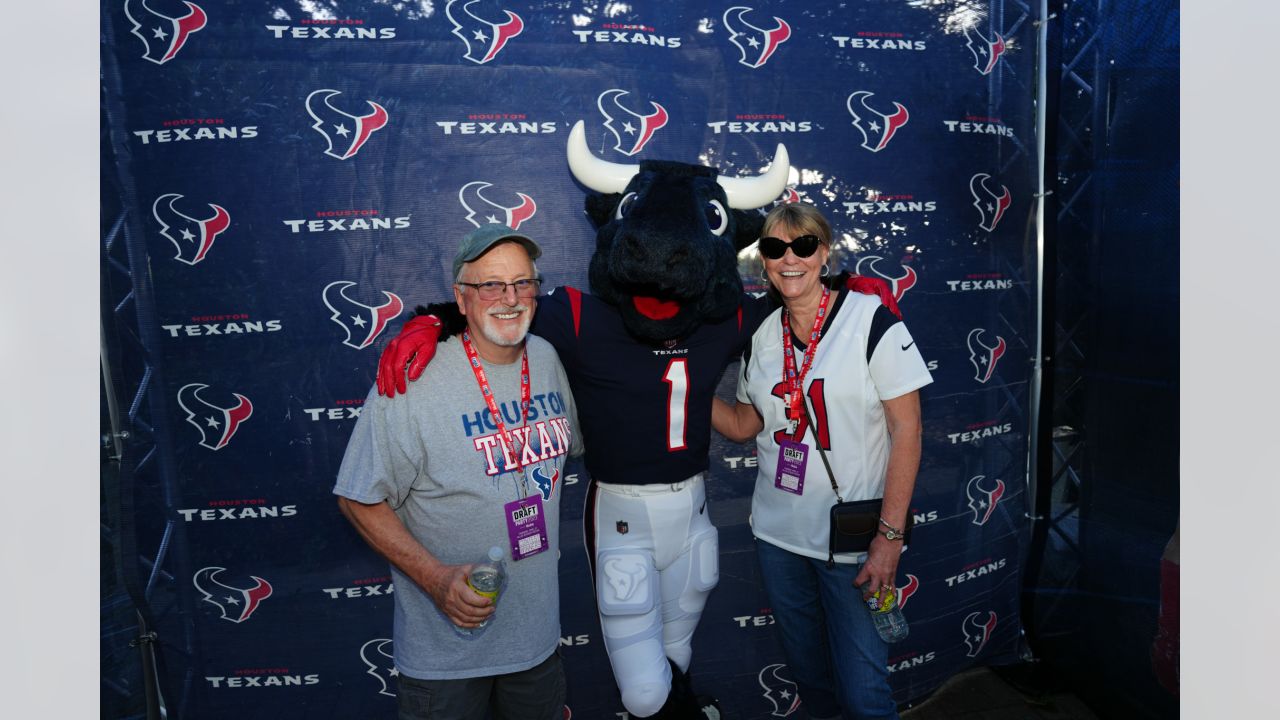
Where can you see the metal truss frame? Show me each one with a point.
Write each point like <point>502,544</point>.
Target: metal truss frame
<point>138,478</point>
<point>1070,235</point>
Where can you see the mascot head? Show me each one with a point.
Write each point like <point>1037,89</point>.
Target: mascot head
<point>668,236</point>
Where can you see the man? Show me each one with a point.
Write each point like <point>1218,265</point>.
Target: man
<point>432,480</point>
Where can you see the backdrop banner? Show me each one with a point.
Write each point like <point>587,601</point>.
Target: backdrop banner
<point>295,177</point>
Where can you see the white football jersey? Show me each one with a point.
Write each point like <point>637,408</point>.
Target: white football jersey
<point>865,356</point>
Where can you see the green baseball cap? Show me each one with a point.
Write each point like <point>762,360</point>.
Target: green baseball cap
<point>478,241</point>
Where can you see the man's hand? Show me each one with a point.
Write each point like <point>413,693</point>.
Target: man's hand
<point>874,286</point>
<point>414,347</point>
<point>447,585</point>
<point>449,589</point>
<point>881,566</point>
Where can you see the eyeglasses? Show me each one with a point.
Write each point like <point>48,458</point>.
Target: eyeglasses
<point>495,289</point>
<point>803,246</point>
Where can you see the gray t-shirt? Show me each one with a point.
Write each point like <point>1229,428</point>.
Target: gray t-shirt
<point>434,454</point>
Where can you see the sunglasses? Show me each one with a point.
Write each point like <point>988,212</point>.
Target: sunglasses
<point>803,246</point>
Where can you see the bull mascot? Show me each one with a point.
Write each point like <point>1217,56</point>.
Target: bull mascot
<point>644,352</point>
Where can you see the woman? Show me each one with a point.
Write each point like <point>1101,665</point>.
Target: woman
<point>855,366</point>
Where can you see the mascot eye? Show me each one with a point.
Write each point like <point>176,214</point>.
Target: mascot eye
<point>717,218</point>
<point>624,206</point>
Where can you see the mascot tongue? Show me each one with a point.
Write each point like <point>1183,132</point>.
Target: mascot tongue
<point>655,309</point>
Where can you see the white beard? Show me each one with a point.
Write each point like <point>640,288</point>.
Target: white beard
<point>508,337</point>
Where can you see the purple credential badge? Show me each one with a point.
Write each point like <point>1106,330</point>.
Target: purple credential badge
<point>526,527</point>
<point>792,457</point>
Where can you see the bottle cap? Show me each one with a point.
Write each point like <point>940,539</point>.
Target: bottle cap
<point>495,554</point>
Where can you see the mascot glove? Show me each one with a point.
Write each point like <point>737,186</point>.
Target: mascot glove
<point>414,347</point>
<point>872,286</point>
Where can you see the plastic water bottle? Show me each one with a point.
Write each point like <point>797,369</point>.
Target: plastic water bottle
<point>488,579</point>
<point>886,615</point>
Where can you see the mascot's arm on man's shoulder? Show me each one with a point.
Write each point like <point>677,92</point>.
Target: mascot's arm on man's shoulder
<point>409,352</point>
<point>452,321</point>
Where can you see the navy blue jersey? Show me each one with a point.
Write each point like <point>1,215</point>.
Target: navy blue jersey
<point>644,410</point>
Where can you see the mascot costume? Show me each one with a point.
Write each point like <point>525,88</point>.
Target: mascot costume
<point>643,353</point>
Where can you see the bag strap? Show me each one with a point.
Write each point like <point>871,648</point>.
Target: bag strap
<point>821,453</point>
<point>831,551</point>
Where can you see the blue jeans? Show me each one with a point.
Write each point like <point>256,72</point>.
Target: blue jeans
<point>833,650</point>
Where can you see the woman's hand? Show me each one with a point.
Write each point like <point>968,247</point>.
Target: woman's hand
<point>881,567</point>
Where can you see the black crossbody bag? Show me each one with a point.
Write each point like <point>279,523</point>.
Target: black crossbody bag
<point>853,524</point>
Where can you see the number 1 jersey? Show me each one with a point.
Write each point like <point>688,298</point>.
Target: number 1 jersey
<point>644,410</point>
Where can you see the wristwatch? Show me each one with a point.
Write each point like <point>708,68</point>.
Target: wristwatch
<point>892,533</point>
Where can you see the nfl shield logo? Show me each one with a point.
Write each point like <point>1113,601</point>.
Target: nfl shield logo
<point>622,527</point>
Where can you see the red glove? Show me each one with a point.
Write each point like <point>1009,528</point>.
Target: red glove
<point>414,347</point>
<point>874,286</point>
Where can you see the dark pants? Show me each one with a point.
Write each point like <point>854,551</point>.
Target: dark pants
<point>533,694</point>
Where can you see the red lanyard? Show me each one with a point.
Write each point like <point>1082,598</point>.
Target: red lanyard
<point>485,390</point>
<point>795,383</point>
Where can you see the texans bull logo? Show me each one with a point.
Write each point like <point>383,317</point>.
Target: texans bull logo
<point>984,357</point>
<point>491,212</point>
<point>880,130</point>
<point>163,35</point>
<point>362,323</point>
<point>986,53</point>
<point>977,633</point>
<point>789,195</point>
<point>195,237</point>
<point>990,205</point>
<point>906,591</point>
<point>236,604</point>
<point>378,658</point>
<point>781,692</point>
<point>754,42</point>
<point>641,126</point>
<point>899,285</point>
<point>484,39</point>
<point>626,576</point>
<point>546,484</point>
<point>981,500</point>
<point>216,424</point>
<point>351,131</point>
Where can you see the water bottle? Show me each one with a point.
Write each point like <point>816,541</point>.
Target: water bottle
<point>486,578</point>
<point>886,615</point>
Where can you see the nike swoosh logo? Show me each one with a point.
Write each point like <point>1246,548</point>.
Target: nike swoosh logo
<point>913,342</point>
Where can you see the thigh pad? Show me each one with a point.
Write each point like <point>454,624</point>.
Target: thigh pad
<point>704,553</point>
<point>626,581</point>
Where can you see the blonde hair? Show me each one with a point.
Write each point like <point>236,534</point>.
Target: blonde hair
<point>800,218</point>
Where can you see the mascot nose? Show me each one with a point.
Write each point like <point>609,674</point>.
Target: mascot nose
<point>643,252</point>
<point>636,251</point>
